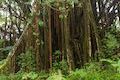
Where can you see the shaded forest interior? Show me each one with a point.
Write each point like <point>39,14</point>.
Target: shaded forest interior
<point>53,31</point>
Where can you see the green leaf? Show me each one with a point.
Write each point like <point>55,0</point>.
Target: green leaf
<point>32,75</point>
<point>107,60</point>
<point>41,23</point>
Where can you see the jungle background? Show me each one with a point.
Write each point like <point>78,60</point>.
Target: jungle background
<point>59,40</point>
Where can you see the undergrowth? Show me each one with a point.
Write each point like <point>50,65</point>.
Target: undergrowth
<point>93,71</point>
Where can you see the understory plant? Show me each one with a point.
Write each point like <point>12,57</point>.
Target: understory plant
<point>92,71</point>
<point>58,64</point>
<point>27,61</point>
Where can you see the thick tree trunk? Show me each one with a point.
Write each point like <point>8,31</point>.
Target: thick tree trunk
<point>81,31</point>
<point>67,44</point>
<point>36,19</point>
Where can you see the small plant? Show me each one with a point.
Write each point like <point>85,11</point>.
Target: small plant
<point>77,75</point>
<point>4,77</point>
<point>115,64</point>
<point>110,43</point>
<point>56,76</point>
<point>4,52</point>
<point>29,76</point>
<point>27,61</point>
<point>60,65</point>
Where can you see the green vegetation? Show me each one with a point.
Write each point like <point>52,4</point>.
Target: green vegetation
<point>105,69</point>
<point>26,61</point>
<point>91,71</point>
<point>110,42</point>
<point>59,40</point>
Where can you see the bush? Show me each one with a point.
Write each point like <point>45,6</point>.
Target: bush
<point>56,76</point>
<point>92,71</point>
<point>62,65</point>
<point>25,76</point>
<point>77,75</point>
<point>58,64</point>
<point>4,77</point>
<point>110,44</point>
<point>27,61</point>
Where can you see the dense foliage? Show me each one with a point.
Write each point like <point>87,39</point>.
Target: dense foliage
<point>59,40</point>
<point>92,71</point>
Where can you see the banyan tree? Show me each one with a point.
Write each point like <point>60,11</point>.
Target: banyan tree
<point>66,25</point>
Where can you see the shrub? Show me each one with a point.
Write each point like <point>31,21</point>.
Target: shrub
<point>110,43</point>
<point>27,61</point>
<point>77,75</point>
<point>56,76</point>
